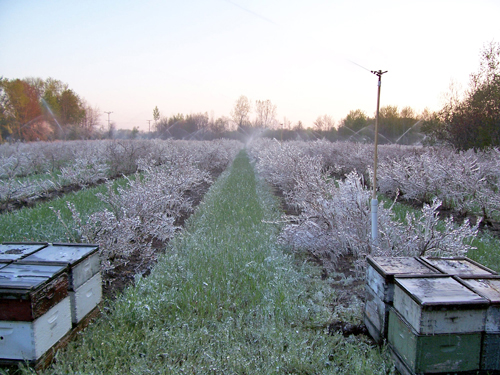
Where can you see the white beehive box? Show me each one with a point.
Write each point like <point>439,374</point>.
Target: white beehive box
<point>28,341</point>
<point>82,259</point>
<point>375,315</point>
<point>489,288</point>
<point>437,305</point>
<point>459,266</point>
<point>380,273</point>
<point>10,252</point>
<point>86,298</point>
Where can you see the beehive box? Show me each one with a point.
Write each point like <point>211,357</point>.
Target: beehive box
<point>425,354</point>
<point>82,260</point>
<point>438,305</point>
<point>29,291</point>
<point>380,289</point>
<point>85,298</point>
<point>459,266</point>
<point>10,252</point>
<point>375,315</point>
<point>85,288</point>
<point>28,341</point>
<point>490,289</point>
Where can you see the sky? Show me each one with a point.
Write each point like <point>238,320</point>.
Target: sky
<point>309,58</point>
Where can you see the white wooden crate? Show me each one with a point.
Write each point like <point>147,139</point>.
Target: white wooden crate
<point>436,305</point>
<point>30,340</point>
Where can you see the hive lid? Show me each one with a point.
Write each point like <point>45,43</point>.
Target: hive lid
<point>435,291</point>
<point>10,283</point>
<point>486,287</point>
<point>68,254</point>
<point>10,252</point>
<point>23,278</point>
<point>35,270</point>
<point>459,266</point>
<point>390,266</point>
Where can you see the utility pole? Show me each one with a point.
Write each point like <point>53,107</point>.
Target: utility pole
<point>375,159</point>
<point>109,121</point>
<point>149,123</point>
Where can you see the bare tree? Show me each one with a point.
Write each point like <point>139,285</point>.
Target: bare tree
<point>90,120</point>
<point>266,113</point>
<point>324,122</point>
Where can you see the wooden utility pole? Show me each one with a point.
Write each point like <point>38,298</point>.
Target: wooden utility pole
<point>109,121</point>
<point>375,160</point>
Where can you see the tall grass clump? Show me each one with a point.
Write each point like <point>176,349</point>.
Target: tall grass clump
<point>224,299</point>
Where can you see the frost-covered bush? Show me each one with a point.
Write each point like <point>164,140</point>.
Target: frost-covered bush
<point>335,214</point>
<point>86,169</point>
<point>335,220</point>
<point>28,171</point>
<point>141,215</point>
<point>467,181</point>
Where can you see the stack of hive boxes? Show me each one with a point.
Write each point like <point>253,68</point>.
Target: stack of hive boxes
<point>440,322</point>
<point>45,290</point>
<point>380,289</point>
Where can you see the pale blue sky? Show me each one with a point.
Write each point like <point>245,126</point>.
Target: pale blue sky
<point>200,56</point>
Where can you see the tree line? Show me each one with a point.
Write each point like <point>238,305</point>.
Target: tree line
<point>34,109</point>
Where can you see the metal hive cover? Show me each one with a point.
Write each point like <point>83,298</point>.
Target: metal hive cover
<point>459,266</point>
<point>487,287</point>
<point>62,254</point>
<point>428,291</point>
<point>12,251</point>
<point>11,282</point>
<point>35,270</point>
<point>400,265</point>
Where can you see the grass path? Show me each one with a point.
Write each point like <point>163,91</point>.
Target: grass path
<point>224,299</point>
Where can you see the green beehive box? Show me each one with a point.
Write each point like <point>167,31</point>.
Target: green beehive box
<point>421,354</point>
<point>489,287</point>
<point>490,357</point>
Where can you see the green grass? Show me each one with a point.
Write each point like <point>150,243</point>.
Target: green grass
<point>40,223</point>
<point>225,299</point>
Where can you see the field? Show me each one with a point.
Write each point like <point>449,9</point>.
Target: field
<point>265,275</point>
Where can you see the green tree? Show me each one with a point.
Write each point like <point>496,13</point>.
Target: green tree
<point>473,120</point>
<point>21,110</point>
<point>354,122</point>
